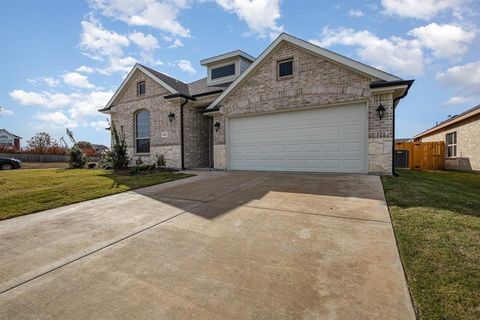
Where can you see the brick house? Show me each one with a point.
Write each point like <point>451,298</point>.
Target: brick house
<point>296,107</point>
<point>9,140</point>
<point>461,134</point>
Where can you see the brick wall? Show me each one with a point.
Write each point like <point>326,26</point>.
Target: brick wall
<point>196,135</point>
<point>164,135</point>
<point>468,144</point>
<point>316,81</point>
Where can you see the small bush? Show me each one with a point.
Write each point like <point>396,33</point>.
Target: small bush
<point>161,162</point>
<point>91,165</point>
<point>77,159</point>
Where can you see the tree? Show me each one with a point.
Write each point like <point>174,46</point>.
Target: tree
<point>77,158</point>
<point>119,153</point>
<point>41,142</point>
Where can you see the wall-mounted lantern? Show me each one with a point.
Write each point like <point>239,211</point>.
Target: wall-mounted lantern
<point>171,116</point>
<point>217,126</point>
<point>380,111</point>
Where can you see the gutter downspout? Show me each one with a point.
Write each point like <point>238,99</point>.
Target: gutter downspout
<point>394,173</point>
<point>182,136</point>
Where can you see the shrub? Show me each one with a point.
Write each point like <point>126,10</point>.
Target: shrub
<point>77,159</point>
<point>91,165</point>
<point>119,153</point>
<point>161,162</point>
<point>139,161</point>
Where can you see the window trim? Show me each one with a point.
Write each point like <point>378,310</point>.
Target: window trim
<point>139,83</point>
<point>212,82</point>
<point>453,144</point>
<point>279,62</point>
<point>136,138</point>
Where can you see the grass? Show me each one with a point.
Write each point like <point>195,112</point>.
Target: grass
<point>28,191</point>
<point>436,218</point>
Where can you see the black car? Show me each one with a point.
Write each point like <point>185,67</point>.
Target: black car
<point>9,163</point>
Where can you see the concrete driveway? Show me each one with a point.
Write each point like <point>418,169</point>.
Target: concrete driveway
<point>240,245</point>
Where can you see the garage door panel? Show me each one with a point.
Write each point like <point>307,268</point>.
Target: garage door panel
<point>322,140</point>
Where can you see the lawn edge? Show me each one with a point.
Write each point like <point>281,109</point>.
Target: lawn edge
<point>189,175</point>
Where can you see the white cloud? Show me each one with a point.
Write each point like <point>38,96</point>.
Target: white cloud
<point>465,79</point>
<point>99,125</point>
<point>49,81</point>
<point>458,100</point>
<point>5,112</point>
<point>407,56</point>
<point>176,44</point>
<point>147,44</point>
<point>159,14</point>
<point>260,15</point>
<point>122,65</point>
<point>84,69</point>
<point>43,99</point>
<point>186,66</point>
<point>445,41</point>
<point>100,43</point>
<point>355,13</point>
<point>79,106</point>
<point>395,53</point>
<point>78,80</point>
<point>424,9</point>
<point>56,119</point>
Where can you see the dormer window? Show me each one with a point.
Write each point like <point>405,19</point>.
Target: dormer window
<point>141,88</point>
<point>224,71</point>
<point>285,68</point>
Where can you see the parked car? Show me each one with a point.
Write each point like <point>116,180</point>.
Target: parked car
<point>9,163</point>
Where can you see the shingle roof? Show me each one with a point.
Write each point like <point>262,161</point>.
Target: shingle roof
<point>193,88</point>
<point>200,87</point>
<point>14,135</point>
<point>178,85</point>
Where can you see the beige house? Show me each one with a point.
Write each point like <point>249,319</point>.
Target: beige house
<point>296,107</point>
<point>461,134</point>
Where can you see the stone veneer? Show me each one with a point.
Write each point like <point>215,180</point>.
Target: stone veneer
<point>468,144</point>
<point>315,82</point>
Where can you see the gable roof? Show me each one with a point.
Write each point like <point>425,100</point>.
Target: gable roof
<point>456,118</point>
<point>165,81</point>
<point>327,54</point>
<point>7,132</point>
<point>174,86</point>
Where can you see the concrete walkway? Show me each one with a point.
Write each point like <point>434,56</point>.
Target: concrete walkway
<point>241,245</point>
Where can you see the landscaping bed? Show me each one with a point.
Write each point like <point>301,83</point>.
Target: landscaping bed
<point>436,218</point>
<point>28,191</point>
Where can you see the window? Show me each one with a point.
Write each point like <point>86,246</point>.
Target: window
<point>141,88</point>
<point>451,141</point>
<point>142,132</point>
<point>285,68</point>
<point>5,140</point>
<point>224,71</point>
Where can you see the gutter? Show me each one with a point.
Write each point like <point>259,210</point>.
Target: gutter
<point>395,102</point>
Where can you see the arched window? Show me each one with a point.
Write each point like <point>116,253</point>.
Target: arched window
<point>5,140</point>
<point>142,132</point>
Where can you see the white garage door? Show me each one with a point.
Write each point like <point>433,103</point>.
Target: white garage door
<point>329,139</point>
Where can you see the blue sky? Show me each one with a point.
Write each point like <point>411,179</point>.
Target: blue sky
<point>60,60</point>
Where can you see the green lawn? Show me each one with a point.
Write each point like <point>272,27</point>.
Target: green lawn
<point>27,191</point>
<point>436,217</point>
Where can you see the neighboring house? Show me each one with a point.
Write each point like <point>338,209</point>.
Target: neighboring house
<point>100,147</point>
<point>10,140</point>
<point>296,107</point>
<point>461,134</point>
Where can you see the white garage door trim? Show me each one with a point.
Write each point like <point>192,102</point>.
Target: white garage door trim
<point>364,114</point>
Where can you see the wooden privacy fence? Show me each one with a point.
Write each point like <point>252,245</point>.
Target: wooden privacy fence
<point>423,155</point>
<point>31,157</point>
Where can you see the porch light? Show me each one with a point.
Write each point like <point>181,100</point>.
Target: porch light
<point>217,126</point>
<point>380,111</point>
<point>171,116</point>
